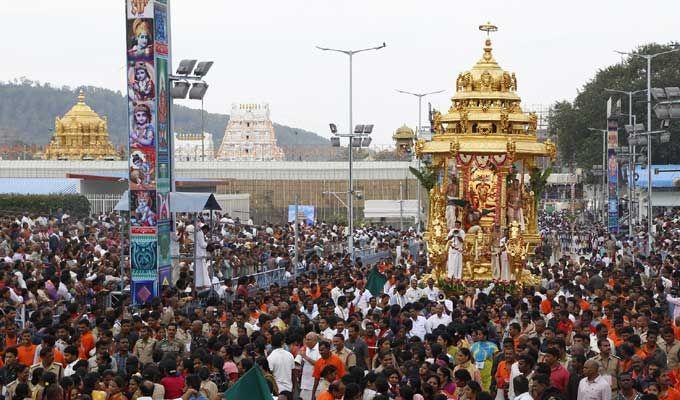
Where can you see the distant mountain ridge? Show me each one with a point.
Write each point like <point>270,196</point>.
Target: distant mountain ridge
<point>28,110</point>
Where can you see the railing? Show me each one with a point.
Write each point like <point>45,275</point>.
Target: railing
<point>103,202</point>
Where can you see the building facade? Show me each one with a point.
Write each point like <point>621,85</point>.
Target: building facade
<point>194,146</point>
<point>249,135</point>
<point>81,134</point>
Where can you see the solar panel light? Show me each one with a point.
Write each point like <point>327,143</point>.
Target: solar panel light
<point>673,92</point>
<point>356,142</point>
<point>368,128</point>
<point>365,142</point>
<point>198,90</point>
<point>185,67</point>
<point>335,141</point>
<point>179,90</point>
<point>334,129</point>
<point>202,68</point>
<point>359,129</point>
<point>662,111</point>
<point>659,94</point>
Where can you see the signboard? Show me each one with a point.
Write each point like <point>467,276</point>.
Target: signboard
<point>612,176</point>
<point>147,52</point>
<point>305,213</point>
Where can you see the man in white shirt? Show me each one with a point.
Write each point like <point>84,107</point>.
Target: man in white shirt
<point>361,296</point>
<point>413,293</point>
<point>436,319</point>
<point>326,331</point>
<point>306,358</point>
<point>431,291</point>
<point>398,297</point>
<point>281,362</point>
<point>418,328</point>
<point>594,386</point>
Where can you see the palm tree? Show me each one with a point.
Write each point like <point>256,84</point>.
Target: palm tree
<point>539,181</point>
<point>427,175</point>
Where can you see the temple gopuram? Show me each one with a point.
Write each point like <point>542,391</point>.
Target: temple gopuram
<point>482,222</point>
<point>80,134</point>
<point>249,135</point>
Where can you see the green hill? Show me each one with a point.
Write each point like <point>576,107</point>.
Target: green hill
<point>28,109</point>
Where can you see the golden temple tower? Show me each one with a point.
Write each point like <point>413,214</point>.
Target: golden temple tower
<point>481,150</point>
<point>80,134</point>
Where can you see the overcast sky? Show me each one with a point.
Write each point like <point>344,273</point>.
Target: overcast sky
<point>264,50</point>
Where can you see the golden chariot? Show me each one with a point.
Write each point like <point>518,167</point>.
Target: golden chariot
<point>481,150</point>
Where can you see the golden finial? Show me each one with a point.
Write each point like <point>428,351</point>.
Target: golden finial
<point>488,28</point>
<point>81,97</point>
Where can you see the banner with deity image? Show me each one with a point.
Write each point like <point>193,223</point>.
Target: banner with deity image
<point>147,50</point>
<point>164,141</point>
<point>612,175</point>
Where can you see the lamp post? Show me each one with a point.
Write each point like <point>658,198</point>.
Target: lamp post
<point>649,58</point>
<point>350,217</point>
<point>357,138</point>
<point>185,73</point>
<point>604,172</point>
<point>420,100</point>
<point>631,150</point>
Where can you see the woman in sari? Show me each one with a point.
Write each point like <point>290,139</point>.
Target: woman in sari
<point>483,351</point>
<point>464,361</point>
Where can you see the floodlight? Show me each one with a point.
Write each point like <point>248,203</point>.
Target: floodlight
<point>659,94</point>
<point>637,141</point>
<point>335,141</point>
<point>366,142</point>
<point>662,111</point>
<point>358,129</point>
<point>198,90</point>
<point>185,67</point>
<point>356,142</point>
<point>202,68</point>
<point>334,129</point>
<point>674,110</point>
<point>673,92</point>
<point>368,128</point>
<point>179,90</point>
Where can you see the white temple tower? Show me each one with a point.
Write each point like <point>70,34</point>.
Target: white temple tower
<point>249,135</point>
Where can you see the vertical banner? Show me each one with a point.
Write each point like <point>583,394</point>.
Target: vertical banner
<point>148,144</point>
<point>612,175</point>
<point>163,188</point>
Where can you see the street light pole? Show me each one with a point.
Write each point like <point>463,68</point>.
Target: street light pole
<point>350,191</point>
<point>420,112</point>
<point>649,58</point>
<point>604,172</point>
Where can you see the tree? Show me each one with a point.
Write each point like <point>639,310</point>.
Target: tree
<point>570,120</point>
<point>427,175</point>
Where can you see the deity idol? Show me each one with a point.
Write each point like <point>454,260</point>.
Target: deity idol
<point>142,131</point>
<point>143,46</point>
<point>515,212</point>
<point>143,87</point>
<point>140,169</point>
<point>145,215</point>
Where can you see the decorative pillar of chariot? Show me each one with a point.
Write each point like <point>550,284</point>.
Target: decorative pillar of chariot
<point>482,208</point>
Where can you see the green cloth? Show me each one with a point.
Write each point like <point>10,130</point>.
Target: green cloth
<point>376,281</point>
<point>251,386</point>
